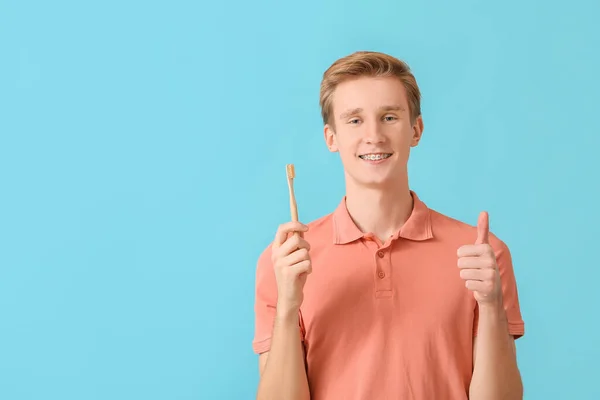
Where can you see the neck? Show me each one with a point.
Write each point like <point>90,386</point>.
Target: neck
<point>379,211</point>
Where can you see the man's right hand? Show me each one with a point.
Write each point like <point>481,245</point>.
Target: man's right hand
<point>291,261</point>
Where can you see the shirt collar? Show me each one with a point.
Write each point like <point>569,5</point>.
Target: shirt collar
<point>417,227</point>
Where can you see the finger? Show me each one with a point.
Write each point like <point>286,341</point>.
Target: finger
<point>483,228</point>
<point>479,286</point>
<point>285,229</point>
<point>477,274</point>
<point>296,256</point>
<point>292,244</point>
<point>474,250</point>
<point>301,267</point>
<point>482,262</point>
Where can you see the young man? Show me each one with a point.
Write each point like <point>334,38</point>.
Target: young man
<point>384,298</point>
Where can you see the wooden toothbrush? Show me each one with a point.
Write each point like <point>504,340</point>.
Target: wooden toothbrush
<point>291,174</point>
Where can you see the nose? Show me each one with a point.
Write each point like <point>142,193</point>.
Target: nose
<point>373,134</point>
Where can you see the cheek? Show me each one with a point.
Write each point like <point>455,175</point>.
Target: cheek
<point>346,152</point>
<point>405,136</point>
<point>346,145</point>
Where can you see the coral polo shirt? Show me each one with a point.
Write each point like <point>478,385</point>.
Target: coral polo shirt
<point>389,320</point>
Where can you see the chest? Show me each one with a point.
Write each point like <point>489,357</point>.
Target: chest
<point>355,292</point>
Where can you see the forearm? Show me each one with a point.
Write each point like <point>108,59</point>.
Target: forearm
<point>284,375</point>
<point>496,374</point>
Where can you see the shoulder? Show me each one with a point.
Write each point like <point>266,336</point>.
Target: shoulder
<point>319,230</point>
<point>447,228</point>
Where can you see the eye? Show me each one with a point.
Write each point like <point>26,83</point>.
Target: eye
<point>390,118</point>
<point>354,121</point>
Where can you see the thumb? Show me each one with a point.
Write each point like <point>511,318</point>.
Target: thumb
<point>483,228</point>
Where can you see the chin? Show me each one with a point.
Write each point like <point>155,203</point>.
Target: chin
<point>371,182</point>
<point>375,176</point>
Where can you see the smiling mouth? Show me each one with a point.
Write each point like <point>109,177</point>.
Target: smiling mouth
<point>375,156</point>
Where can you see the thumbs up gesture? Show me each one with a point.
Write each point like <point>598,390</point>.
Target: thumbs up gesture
<point>478,267</point>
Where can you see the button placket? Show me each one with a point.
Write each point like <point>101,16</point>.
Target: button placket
<point>383,283</point>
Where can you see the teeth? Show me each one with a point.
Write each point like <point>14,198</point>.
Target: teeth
<point>374,157</point>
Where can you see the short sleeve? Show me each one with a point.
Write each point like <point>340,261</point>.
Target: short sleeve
<point>516,325</point>
<point>264,303</point>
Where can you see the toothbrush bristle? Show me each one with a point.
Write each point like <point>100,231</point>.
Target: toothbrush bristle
<point>291,173</point>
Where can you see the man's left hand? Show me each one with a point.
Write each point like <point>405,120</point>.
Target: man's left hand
<point>478,268</point>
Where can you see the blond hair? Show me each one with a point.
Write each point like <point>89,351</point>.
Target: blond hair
<point>368,64</point>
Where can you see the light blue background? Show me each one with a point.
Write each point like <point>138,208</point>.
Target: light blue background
<point>142,153</point>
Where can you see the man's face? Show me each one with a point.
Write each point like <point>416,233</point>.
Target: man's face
<point>372,130</point>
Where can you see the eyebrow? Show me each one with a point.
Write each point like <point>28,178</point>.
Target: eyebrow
<point>354,111</point>
<point>350,112</point>
<point>394,107</point>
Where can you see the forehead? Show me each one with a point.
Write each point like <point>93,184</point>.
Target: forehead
<point>368,93</point>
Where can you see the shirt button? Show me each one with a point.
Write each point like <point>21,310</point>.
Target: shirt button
<point>380,254</point>
<point>381,274</point>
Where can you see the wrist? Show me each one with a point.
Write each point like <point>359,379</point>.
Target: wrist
<point>286,313</point>
<point>493,309</point>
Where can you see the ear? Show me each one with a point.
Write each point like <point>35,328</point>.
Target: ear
<point>417,131</point>
<point>330,138</point>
